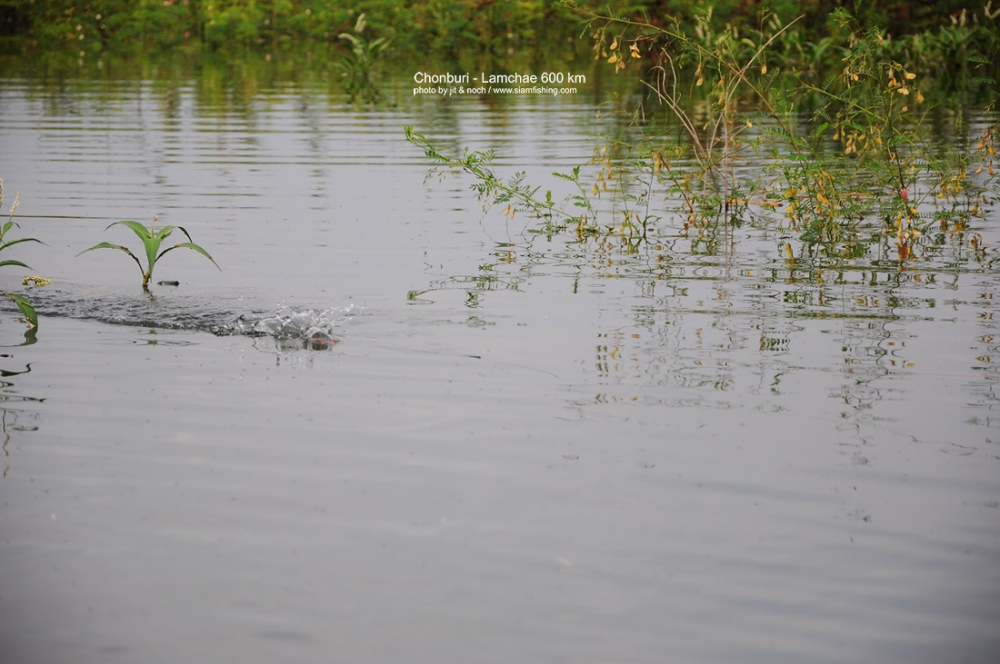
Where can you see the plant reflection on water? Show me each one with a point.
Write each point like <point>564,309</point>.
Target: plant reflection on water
<point>12,418</point>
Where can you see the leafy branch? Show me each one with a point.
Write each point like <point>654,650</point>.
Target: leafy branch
<point>492,190</point>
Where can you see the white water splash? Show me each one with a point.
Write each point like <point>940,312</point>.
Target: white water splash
<point>293,323</point>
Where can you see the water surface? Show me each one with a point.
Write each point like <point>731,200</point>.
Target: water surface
<point>524,447</point>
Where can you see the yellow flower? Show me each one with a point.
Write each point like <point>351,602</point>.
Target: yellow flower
<point>36,281</point>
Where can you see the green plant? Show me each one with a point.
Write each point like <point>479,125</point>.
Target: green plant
<point>884,165</point>
<point>492,190</point>
<point>151,240</point>
<point>20,301</point>
<point>860,168</point>
<point>646,158</point>
<point>358,68</point>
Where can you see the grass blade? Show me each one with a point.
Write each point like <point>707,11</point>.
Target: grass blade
<point>136,227</point>
<point>26,309</point>
<point>190,245</point>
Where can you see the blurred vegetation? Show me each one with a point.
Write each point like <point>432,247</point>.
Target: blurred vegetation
<point>929,34</point>
<point>954,45</point>
<point>440,25</point>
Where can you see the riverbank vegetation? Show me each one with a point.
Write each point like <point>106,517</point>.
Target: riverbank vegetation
<point>940,35</point>
<point>728,130</point>
<point>837,114</point>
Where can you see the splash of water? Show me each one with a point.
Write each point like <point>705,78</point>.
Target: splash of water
<point>295,323</point>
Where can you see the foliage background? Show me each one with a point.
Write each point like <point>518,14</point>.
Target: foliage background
<point>443,26</point>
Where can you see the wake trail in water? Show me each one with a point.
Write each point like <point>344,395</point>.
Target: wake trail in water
<point>218,315</point>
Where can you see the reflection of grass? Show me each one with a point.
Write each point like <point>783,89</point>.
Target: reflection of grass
<point>9,416</point>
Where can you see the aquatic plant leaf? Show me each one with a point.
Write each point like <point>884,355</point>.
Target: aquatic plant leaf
<point>13,262</point>
<point>104,245</point>
<point>190,245</point>
<point>183,230</point>
<point>137,228</point>
<point>152,246</point>
<point>18,241</point>
<point>26,309</point>
<point>193,246</point>
<point>108,245</point>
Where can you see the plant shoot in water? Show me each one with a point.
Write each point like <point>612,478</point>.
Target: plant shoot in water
<point>151,240</point>
<point>358,68</point>
<point>21,302</point>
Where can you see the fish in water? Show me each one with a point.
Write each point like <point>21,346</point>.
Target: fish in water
<point>319,340</point>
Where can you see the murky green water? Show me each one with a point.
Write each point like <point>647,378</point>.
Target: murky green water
<point>523,449</point>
